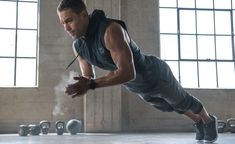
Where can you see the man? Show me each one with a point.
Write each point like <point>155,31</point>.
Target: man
<point>105,43</point>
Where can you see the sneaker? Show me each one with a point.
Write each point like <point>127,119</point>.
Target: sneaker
<point>199,131</point>
<point>211,130</point>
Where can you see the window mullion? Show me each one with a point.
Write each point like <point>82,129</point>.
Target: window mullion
<point>198,74</point>
<point>216,66</point>
<point>232,37</point>
<point>16,38</point>
<point>178,35</point>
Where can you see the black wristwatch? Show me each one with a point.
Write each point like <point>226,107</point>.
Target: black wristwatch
<point>92,84</point>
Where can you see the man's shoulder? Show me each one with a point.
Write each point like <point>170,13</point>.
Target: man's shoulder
<point>106,20</point>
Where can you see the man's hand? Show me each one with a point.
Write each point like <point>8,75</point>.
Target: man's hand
<point>79,88</point>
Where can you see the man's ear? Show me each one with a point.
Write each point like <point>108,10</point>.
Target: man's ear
<point>84,13</point>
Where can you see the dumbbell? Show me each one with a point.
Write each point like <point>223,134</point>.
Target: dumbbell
<point>34,129</point>
<point>45,126</point>
<point>221,126</point>
<point>231,125</point>
<point>60,126</point>
<point>23,130</point>
<point>31,129</point>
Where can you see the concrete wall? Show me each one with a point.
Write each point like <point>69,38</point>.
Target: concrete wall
<point>31,105</point>
<point>110,109</point>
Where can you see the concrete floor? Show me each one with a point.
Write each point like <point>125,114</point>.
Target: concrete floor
<point>112,138</point>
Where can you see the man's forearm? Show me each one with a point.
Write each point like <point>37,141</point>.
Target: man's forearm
<point>114,78</point>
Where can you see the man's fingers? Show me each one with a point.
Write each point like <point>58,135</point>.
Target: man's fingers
<point>76,95</point>
<point>78,78</point>
<point>70,89</point>
<point>73,96</point>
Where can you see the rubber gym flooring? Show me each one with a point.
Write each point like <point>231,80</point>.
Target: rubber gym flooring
<point>112,138</point>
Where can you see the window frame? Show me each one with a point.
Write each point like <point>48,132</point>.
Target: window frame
<point>17,29</point>
<point>178,33</point>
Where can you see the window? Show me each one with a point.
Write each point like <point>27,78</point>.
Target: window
<point>197,41</point>
<point>18,43</point>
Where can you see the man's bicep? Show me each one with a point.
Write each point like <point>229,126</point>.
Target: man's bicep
<point>117,42</point>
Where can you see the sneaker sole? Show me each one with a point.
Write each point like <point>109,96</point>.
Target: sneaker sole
<point>206,141</point>
<point>216,124</point>
<point>200,141</point>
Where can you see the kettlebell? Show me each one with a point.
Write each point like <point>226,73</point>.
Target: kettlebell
<point>34,129</point>
<point>221,126</point>
<point>45,126</point>
<point>23,130</point>
<point>231,125</point>
<point>60,126</point>
<point>74,126</point>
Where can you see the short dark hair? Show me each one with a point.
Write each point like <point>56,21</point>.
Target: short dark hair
<point>76,6</point>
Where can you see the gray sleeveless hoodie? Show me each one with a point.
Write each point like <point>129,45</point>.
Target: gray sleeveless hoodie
<point>92,49</point>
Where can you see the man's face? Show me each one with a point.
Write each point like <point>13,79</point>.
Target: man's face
<point>74,24</point>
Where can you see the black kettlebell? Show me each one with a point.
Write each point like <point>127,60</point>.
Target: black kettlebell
<point>45,126</point>
<point>231,125</point>
<point>221,126</point>
<point>60,126</point>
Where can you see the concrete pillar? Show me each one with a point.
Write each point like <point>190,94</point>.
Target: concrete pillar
<point>141,18</point>
<point>102,107</point>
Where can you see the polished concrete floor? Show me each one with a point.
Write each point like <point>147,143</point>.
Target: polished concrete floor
<point>111,138</point>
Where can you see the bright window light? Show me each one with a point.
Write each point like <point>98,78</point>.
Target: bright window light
<point>197,41</point>
<point>19,43</point>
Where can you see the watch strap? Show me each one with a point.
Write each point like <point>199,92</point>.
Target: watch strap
<point>92,84</point>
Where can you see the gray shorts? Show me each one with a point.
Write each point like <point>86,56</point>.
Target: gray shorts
<point>169,95</point>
